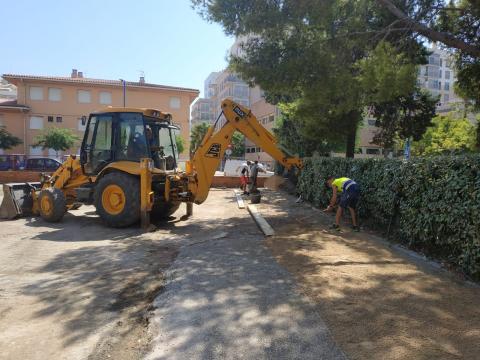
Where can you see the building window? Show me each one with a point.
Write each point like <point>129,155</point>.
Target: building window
<point>82,123</point>
<point>372,122</point>
<point>36,122</point>
<point>36,93</point>
<point>175,102</point>
<point>447,74</point>
<point>105,97</point>
<point>447,86</point>
<point>84,96</point>
<point>240,91</point>
<point>371,151</point>
<point>259,149</point>
<point>54,94</point>
<point>271,118</point>
<point>59,119</point>
<point>36,150</point>
<point>441,62</point>
<point>440,73</point>
<point>50,119</point>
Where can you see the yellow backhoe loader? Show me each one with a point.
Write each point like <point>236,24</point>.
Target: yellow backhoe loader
<point>128,168</point>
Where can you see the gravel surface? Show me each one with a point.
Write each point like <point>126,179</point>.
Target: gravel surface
<point>379,302</point>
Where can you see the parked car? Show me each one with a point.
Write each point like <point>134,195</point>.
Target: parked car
<point>5,162</point>
<point>42,164</point>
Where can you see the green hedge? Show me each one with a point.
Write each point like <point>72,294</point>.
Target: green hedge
<point>431,204</point>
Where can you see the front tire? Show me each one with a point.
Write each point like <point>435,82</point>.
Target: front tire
<point>52,204</point>
<point>117,199</point>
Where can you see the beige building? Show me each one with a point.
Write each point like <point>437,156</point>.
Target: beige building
<point>202,112</point>
<point>438,77</point>
<point>49,101</point>
<point>266,114</point>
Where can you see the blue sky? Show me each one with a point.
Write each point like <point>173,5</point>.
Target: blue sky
<point>111,39</point>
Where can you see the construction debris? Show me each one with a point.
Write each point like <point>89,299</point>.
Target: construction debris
<point>240,202</point>
<point>261,222</point>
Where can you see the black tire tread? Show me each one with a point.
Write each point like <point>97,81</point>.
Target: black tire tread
<point>59,204</point>
<point>131,187</point>
<point>164,210</point>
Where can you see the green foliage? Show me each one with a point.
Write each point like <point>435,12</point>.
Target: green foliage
<point>58,139</point>
<point>197,134</point>
<point>304,53</point>
<point>386,74</point>
<point>462,21</point>
<point>7,140</point>
<point>296,136</point>
<point>404,117</point>
<point>446,134</point>
<point>180,143</point>
<point>238,144</point>
<point>432,204</point>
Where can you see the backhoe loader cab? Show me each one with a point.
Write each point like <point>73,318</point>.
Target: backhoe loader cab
<point>120,134</point>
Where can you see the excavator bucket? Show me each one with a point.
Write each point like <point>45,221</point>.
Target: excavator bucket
<point>17,199</point>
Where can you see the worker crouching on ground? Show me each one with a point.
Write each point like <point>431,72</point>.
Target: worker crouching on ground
<point>349,194</point>
<point>244,174</point>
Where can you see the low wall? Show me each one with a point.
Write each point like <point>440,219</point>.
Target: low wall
<point>19,176</point>
<point>233,181</point>
<point>30,176</point>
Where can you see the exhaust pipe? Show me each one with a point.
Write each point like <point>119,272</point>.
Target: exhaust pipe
<point>18,199</point>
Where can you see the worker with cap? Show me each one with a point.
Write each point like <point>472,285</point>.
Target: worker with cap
<point>349,192</point>
<point>245,172</point>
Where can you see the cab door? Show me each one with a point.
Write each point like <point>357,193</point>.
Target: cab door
<point>97,144</point>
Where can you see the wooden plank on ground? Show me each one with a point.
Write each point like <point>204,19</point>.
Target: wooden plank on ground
<point>261,222</point>
<point>240,202</point>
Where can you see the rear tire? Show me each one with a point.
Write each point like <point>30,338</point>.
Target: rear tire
<point>52,204</point>
<point>163,210</point>
<point>117,199</point>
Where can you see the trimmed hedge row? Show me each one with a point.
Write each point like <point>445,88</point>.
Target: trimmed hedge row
<point>430,204</point>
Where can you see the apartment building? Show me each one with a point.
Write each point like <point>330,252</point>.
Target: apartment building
<point>266,114</point>
<point>202,112</point>
<point>438,77</point>
<point>50,101</point>
<point>219,86</point>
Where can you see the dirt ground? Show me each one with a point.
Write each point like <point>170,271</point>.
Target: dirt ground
<point>77,289</point>
<point>80,290</point>
<point>379,302</point>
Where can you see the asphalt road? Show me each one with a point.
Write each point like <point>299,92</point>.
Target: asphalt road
<point>227,298</point>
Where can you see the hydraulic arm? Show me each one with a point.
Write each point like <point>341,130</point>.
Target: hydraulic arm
<point>211,151</point>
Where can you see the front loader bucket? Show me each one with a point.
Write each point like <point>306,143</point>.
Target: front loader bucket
<point>17,199</point>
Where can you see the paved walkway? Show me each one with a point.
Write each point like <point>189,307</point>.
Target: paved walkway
<point>227,298</point>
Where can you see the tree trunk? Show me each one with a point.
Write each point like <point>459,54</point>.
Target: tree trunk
<point>478,137</point>
<point>434,35</point>
<point>354,117</point>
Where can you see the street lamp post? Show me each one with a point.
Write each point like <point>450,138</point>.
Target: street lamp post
<point>124,84</point>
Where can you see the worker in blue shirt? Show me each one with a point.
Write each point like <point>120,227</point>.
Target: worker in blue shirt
<point>349,192</point>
